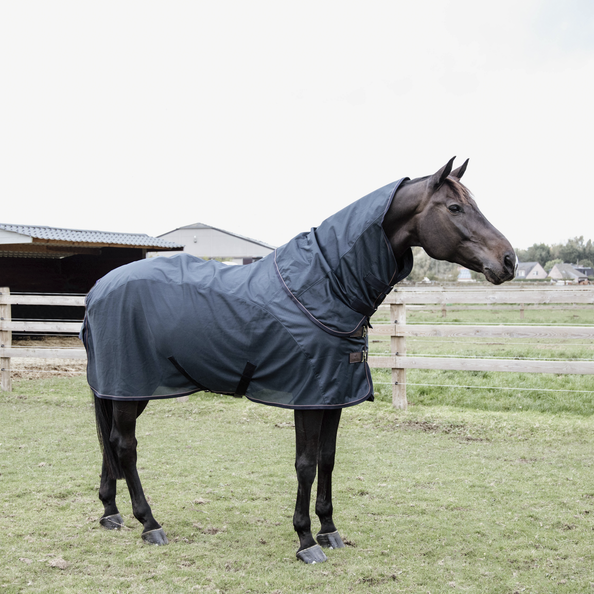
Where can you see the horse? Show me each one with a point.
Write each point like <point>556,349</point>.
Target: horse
<point>292,331</point>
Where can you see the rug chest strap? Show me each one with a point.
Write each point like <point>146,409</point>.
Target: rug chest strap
<point>176,364</point>
<point>246,378</point>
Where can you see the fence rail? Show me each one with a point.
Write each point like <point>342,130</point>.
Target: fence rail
<point>8,326</point>
<point>398,331</point>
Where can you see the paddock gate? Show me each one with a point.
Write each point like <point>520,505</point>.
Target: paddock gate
<point>397,330</point>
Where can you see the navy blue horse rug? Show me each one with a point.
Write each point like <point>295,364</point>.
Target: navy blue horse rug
<point>288,330</point>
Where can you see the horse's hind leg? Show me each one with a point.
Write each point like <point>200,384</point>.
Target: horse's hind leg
<point>308,424</point>
<point>123,442</point>
<point>111,520</point>
<point>328,536</point>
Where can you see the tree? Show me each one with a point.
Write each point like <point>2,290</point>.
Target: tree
<point>539,252</point>
<point>549,265</point>
<point>572,251</point>
<point>425,266</point>
<point>575,249</point>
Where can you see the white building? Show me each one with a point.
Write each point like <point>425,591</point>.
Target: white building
<point>211,243</point>
<point>530,271</point>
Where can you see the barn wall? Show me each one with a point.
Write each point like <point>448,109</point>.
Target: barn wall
<point>75,274</point>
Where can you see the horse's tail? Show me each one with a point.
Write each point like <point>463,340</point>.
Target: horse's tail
<point>104,420</point>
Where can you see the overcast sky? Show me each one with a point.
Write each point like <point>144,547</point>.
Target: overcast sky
<point>265,117</point>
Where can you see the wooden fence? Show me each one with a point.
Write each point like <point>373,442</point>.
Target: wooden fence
<point>8,326</point>
<point>440,297</point>
<point>398,330</point>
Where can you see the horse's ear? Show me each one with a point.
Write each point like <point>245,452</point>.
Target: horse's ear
<point>437,179</point>
<point>458,173</point>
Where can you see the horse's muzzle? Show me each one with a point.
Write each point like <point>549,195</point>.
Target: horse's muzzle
<point>505,272</point>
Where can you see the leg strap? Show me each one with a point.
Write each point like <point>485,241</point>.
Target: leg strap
<point>246,378</point>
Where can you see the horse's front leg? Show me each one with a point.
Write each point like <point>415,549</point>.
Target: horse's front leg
<point>308,424</point>
<point>124,442</point>
<point>328,536</point>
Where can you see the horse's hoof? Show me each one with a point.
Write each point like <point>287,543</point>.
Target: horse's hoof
<point>330,540</point>
<point>156,537</point>
<point>113,522</point>
<point>312,555</point>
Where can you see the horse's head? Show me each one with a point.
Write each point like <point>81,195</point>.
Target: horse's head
<point>439,214</point>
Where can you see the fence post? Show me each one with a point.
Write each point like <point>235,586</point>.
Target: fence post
<point>398,344</point>
<point>5,341</point>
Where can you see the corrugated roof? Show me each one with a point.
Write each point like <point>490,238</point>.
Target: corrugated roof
<point>89,237</point>
<point>203,226</point>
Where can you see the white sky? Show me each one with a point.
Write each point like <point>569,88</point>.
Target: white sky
<point>265,117</point>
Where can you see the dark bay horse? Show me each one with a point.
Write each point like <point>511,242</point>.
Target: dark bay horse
<point>291,333</point>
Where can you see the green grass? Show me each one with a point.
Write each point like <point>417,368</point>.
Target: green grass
<point>439,498</point>
<point>472,489</point>
<point>495,391</point>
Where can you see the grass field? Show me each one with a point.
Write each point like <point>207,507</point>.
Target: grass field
<point>471,490</point>
<point>520,391</point>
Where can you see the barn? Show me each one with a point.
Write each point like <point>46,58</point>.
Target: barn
<point>37,259</point>
<point>212,243</point>
<point>53,260</point>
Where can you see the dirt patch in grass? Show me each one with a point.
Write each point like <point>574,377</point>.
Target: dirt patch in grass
<point>42,367</point>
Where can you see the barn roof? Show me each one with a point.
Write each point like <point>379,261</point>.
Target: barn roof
<point>80,236</point>
<point>23,240</point>
<point>203,226</point>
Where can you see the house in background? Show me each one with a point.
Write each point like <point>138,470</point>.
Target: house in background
<point>587,270</point>
<point>464,275</point>
<point>566,272</point>
<point>530,271</point>
<point>211,243</point>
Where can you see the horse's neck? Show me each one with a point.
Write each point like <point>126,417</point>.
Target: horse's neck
<point>400,222</point>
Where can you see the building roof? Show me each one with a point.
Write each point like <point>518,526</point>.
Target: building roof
<point>587,270</point>
<point>526,266</point>
<point>18,234</point>
<point>203,226</point>
<point>32,241</point>
<point>566,271</point>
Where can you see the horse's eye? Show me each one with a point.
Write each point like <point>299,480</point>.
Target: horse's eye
<point>455,208</point>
